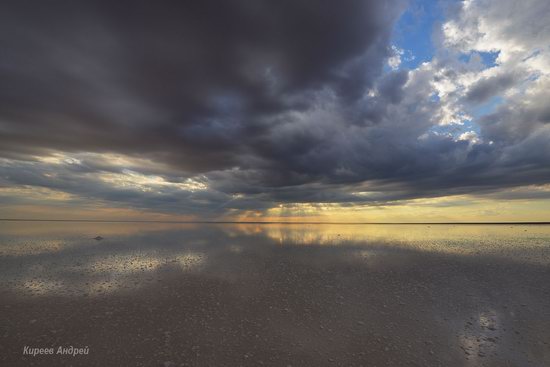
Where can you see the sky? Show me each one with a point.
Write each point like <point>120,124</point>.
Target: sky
<point>287,110</point>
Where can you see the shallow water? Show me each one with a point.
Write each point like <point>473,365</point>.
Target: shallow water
<point>39,258</point>
<point>163,294</point>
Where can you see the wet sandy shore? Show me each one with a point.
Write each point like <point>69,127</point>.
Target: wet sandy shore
<point>269,304</point>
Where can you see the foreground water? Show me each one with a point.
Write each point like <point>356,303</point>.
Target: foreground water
<point>276,294</point>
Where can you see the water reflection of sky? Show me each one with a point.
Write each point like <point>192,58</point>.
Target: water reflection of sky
<point>41,258</point>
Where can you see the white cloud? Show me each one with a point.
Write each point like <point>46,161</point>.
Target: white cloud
<point>395,60</point>
<point>470,136</point>
<point>515,30</point>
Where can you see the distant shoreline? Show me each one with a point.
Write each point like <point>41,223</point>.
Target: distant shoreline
<point>268,222</point>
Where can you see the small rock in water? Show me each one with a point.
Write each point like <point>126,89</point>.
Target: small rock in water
<point>98,238</point>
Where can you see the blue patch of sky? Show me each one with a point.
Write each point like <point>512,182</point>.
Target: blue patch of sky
<point>487,107</point>
<point>455,130</point>
<point>470,126</point>
<point>487,58</point>
<point>414,29</point>
<point>434,97</point>
<point>413,32</point>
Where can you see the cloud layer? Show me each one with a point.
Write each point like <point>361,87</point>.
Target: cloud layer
<point>213,107</point>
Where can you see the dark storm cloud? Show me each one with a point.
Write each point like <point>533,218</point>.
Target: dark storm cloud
<point>391,86</point>
<point>264,101</point>
<point>186,81</point>
<point>486,88</point>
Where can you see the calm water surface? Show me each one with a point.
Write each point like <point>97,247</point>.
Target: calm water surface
<point>63,258</point>
<point>152,294</point>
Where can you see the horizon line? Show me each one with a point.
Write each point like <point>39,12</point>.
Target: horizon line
<point>263,222</point>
